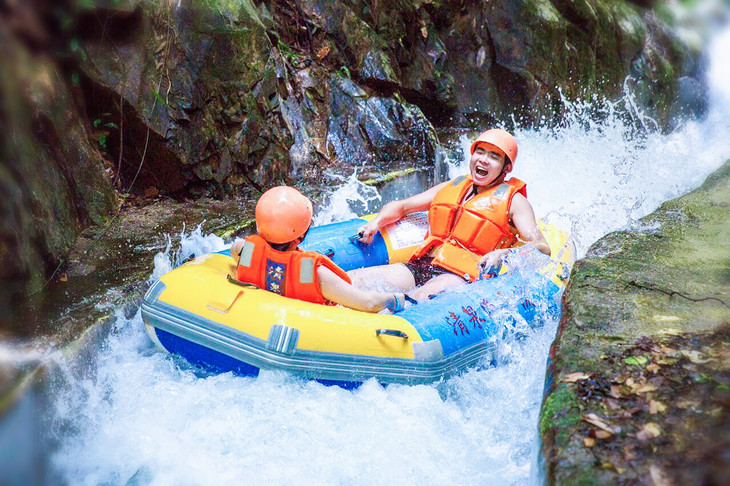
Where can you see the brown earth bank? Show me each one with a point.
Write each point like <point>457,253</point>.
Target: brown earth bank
<point>215,98</point>
<point>638,382</point>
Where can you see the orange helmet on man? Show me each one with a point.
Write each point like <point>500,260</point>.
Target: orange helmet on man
<point>499,138</point>
<point>283,214</point>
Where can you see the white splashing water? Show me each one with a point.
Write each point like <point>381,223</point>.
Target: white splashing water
<point>194,243</point>
<point>139,416</point>
<point>351,199</point>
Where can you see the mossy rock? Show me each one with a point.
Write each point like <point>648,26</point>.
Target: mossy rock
<point>668,277</point>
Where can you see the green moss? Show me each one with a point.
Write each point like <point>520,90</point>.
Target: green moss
<point>231,230</point>
<point>560,412</point>
<point>390,176</point>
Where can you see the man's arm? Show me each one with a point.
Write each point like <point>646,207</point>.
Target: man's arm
<point>337,290</point>
<point>395,210</point>
<point>523,218</point>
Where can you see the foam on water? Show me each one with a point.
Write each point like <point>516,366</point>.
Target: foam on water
<point>138,416</point>
<point>146,414</point>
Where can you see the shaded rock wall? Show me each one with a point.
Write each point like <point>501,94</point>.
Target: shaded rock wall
<point>214,95</point>
<point>639,316</point>
<point>227,102</point>
<point>52,179</point>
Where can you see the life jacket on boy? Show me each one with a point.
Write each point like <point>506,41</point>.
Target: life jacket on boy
<point>460,234</point>
<point>289,273</point>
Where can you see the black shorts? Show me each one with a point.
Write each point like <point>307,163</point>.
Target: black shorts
<point>423,271</point>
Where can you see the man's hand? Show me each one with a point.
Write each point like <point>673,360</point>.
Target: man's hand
<point>490,263</point>
<point>366,232</point>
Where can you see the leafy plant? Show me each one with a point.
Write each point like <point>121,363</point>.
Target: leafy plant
<point>76,48</point>
<point>100,123</point>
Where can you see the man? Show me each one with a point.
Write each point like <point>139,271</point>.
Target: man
<point>272,260</point>
<point>473,220</point>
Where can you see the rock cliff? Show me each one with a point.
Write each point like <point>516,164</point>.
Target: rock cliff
<point>222,97</point>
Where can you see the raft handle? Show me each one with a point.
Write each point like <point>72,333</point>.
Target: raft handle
<point>238,282</point>
<point>224,310</point>
<point>391,332</point>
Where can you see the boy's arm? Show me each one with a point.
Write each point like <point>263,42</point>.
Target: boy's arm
<point>236,248</point>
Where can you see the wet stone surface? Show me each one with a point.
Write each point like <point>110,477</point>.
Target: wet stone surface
<point>657,410</point>
<point>110,265</point>
<point>638,382</point>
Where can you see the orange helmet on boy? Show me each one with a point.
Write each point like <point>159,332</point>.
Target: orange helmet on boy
<point>283,214</point>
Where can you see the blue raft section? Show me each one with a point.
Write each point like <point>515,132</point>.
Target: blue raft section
<point>347,253</point>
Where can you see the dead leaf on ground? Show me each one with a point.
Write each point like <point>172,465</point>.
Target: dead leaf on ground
<point>649,431</point>
<point>645,388</point>
<point>656,407</point>
<point>629,452</point>
<point>323,51</point>
<point>608,465</point>
<point>612,404</point>
<point>652,368</point>
<point>657,476</point>
<point>602,434</point>
<point>629,412</point>
<point>589,441</point>
<point>573,377</point>
<point>617,391</point>
<point>684,404</point>
<point>695,356</point>
<point>597,421</point>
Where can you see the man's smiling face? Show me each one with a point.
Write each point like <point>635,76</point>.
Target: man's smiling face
<point>486,164</point>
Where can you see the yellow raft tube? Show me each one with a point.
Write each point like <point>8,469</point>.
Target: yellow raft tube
<point>201,313</point>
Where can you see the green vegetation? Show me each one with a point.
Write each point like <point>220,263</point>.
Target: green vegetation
<point>390,176</point>
<point>560,412</point>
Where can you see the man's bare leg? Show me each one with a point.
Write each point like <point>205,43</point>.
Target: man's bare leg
<point>436,285</point>
<point>384,278</point>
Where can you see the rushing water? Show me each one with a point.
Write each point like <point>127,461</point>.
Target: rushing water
<point>134,415</point>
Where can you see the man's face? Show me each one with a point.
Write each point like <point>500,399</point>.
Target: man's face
<point>486,164</point>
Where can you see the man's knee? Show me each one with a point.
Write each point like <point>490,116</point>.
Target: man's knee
<point>395,277</point>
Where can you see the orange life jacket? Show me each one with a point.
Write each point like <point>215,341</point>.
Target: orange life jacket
<point>468,231</point>
<point>289,273</point>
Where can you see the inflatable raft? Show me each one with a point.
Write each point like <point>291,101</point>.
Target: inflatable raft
<point>200,312</point>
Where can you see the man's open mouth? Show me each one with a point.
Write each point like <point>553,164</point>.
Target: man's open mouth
<point>481,172</point>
